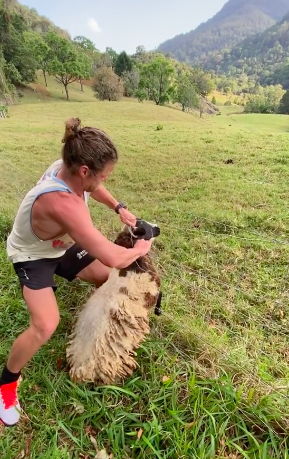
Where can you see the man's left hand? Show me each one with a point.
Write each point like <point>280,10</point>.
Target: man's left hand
<point>127,217</point>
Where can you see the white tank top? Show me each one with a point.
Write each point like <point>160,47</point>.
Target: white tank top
<point>22,243</point>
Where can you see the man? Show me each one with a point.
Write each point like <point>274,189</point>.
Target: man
<point>53,234</point>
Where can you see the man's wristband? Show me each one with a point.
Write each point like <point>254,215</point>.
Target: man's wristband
<point>119,206</point>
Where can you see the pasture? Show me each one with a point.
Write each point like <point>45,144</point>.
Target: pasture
<point>214,374</point>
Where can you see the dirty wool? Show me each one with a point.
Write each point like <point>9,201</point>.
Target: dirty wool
<point>113,322</point>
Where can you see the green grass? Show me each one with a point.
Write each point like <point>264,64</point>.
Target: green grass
<point>213,377</point>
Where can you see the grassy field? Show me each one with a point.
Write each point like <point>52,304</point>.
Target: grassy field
<point>214,374</point>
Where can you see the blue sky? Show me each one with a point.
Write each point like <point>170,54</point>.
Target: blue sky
<point>125,24</point>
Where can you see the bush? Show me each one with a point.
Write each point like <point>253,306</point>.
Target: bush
<point>214,100</point>
<point>141,95</point>
<point>228,103</point>
<point>267,101</point>
<point>4,110</point>
<point>284,104</point>
<point>107,85</point>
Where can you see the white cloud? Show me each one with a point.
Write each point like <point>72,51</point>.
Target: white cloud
<point>93,25</point>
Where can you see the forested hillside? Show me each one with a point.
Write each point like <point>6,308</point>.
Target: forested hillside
<point>30,45</point>
<point>264,56</point>
<point>237,20</point>
<point>19,57</point>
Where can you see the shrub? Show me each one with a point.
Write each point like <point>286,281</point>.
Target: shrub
<point>107,85</point>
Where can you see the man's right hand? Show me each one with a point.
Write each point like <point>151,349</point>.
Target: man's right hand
<point>143,246</point>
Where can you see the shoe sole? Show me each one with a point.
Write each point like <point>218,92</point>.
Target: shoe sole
<point>2,423</point>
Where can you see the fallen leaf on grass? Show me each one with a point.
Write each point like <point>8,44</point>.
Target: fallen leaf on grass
<point>36,388</point>
<point>139,434</point>
<point>166,378</point>
<point>190,425</point>
<point>79,409</point>
<point>90,431</point>
<point>93,441</point>
<point>103,455</point>
<point>28,445</point>
<point>100,454</point>
<point>59,364</point>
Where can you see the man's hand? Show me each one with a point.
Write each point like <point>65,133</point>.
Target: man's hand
<point>127,217</point>
<point>143,246</point>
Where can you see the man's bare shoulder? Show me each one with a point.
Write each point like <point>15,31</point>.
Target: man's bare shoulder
<point>60,198</point>
<point>60,202</point>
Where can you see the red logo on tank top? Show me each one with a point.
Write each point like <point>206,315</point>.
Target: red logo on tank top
<point>62,245</point>
<point>57,244</point>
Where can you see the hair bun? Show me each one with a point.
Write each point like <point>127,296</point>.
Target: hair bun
<point>72,127</point>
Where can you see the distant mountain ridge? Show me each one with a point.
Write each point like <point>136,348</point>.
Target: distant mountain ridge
<point>237,20</point>
<point>264,56</point>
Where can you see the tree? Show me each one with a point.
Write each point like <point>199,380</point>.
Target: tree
<point>267,101</point>
<point>68,64</point>
<point>131,82</point>
<point>101,60</point>
<point>41,51</point>
<point>88,51</point>
<point>284,104</point>
<point>122,64</point>
<point>86,63</point>
<point>113,56</point>
<point>202,81</point>
<point>202,105</point>
<point>157,77</point>
<point>186,94</point>
<point>107,85</point>
<point>6,95</point>
<point>20,65</point>
<point>85,44</point>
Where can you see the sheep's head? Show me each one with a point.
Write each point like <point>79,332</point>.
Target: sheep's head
<point>142,230</point>
<point>127,238</point>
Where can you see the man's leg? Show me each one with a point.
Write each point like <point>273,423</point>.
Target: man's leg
<point>44,319</point>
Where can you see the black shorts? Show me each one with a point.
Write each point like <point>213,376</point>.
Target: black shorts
<point>39,274</point>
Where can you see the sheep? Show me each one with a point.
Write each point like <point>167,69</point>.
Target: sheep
<point>114,321</point>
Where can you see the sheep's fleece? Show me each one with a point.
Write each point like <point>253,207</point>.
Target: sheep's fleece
<point>113,322</point>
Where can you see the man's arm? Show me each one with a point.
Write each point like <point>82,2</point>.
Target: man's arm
<point>73,215</point>
<point>103,195</point>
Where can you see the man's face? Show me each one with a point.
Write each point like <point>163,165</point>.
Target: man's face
<point>92,182</point>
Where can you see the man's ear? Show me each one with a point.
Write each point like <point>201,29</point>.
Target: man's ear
<point>83,171</point>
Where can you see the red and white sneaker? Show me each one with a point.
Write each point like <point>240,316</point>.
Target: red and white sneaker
<point>9,405</point>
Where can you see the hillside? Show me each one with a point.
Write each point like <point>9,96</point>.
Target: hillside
<point>265,56</point>
<point>237,20</point>
<point>34,21</point>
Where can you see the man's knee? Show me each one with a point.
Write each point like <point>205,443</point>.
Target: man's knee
<point>44,329</point>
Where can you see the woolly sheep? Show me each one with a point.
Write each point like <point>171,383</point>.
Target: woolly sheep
<point>113,322</point>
